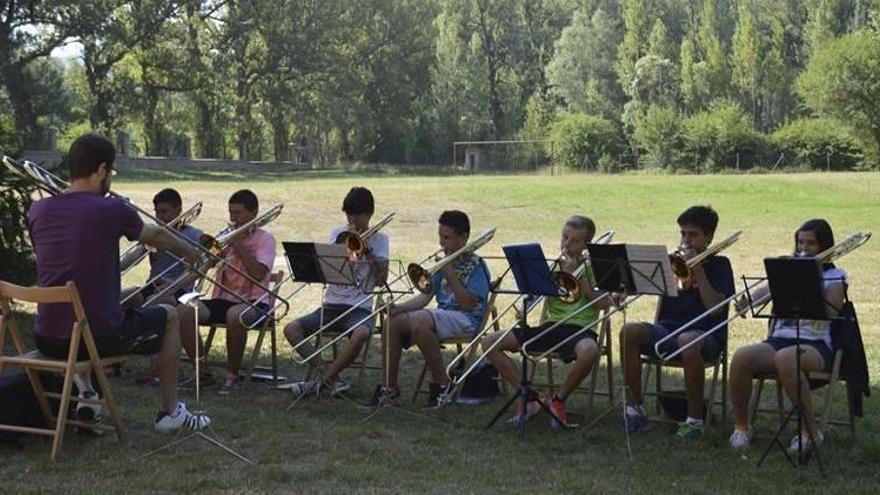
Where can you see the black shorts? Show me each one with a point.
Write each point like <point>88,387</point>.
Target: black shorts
<point>779,343</point>
<point>553,338</point>
<point>142,332</point>
<point>218,308</point>
<point>149,290</point>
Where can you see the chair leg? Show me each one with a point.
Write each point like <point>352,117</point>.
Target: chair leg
<point>658,387</point>
<point>780,403</point>
<point>551,385</point>
<point>208,342</point>
<point>255,355</point>
<point>109,402</point>
<point>710,401</point>
<point>724,397</point>
<point>364,356</point>
<point>419,383</point>
<point>273,340</point>
<point>61,419</point>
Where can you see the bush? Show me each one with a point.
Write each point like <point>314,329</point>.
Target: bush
<point>584,141</point>
<point>16,255</point>
<point>715,138</point>
<point>816,143</point>
<point>660,134</point>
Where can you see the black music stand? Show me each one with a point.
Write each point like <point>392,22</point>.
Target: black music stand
<point>797,292</point>
<point>635,270</point>
<point>533,278</point>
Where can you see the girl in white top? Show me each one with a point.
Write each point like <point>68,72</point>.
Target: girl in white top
<point>778,354</point>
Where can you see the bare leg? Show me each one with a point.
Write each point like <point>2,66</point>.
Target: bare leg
<point>187,337</point>
<point>586,354</point>
<point>236,340</point>
<point>748,362</point>
<point>632,337</point>
<point>166,360</point>
<point>506,367</point>
<point>422,328</point>
<point>786,372</point>
<point>398,329</point>
<point>295,334</point>
<point>694,373</point>
<point>358,338</point>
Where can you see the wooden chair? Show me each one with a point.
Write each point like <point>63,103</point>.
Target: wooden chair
<point>604,343</point>
<point>33,362</point>
<point>459,344</point>
<point>718,365</point>
<point>363,363</point>
<point>267,326</point>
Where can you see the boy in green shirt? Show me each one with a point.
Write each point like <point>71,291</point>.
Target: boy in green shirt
<point>583,350</point>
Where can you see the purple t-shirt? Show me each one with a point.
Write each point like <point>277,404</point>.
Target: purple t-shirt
<point>76,237</point>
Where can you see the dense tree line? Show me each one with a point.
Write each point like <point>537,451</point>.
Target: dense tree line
<point>670,84</point>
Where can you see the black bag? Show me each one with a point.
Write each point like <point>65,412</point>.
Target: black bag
<point>482,383</point>
<point>18,404</point>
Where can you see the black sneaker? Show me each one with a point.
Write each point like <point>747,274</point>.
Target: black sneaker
<point>90,413</point>
<point>435,390</point>
<point>384,396</point>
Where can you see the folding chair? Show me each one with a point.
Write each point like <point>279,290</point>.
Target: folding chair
<point>266,326</point>
<point>604,343</point>
<point>817,380</point>
<point>361,364</point>
<point>459,344</point>
<point>719,364</point>
<point>33,362</point>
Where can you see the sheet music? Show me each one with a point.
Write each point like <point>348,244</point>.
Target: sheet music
<point>333,260</point>
<point>651,270</point>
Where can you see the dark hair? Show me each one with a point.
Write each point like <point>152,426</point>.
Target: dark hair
<point>358,200</point>
<point>581,222</point>
<point>87,153</point>
<point>168,196</point>
<point>703,217</point>
<point>247,198</point>
<point>457,220</point>
<point>824,235</point>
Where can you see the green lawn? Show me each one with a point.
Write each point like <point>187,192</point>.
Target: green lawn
<point>326,447</point>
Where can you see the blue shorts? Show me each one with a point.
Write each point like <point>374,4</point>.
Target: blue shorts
<point>312,321</point>
<point>779,343</point>
<point>712,345</point>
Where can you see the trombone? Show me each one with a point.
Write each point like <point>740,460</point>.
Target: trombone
<point>138,251</point>
<point>683,267</point>
<point>755,294</point>
<point>54,185</point>
<point>357,243</point>
<point>421,277</point>
<point>212,253</point>
<point>605,238</point>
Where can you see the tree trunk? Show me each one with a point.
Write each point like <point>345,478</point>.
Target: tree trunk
<point>20,97</point>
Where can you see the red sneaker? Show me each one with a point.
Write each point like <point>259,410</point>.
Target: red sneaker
<point>558,407</point>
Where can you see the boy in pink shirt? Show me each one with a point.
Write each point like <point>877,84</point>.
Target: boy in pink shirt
<point>253,254</point>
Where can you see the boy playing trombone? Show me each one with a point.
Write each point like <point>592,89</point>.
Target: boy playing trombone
<point>565,318</point>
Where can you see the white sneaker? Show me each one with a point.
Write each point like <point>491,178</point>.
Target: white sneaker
<point>180,418</point>
<point>740,439</point>
<point>807,443</point>
<point>91,413</point>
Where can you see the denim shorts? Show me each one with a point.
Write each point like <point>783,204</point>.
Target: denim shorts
<point>779,343</point>
<point>313,321</point>
<point>712,345</point>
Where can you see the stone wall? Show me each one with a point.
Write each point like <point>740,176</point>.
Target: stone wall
<point>181,164</point>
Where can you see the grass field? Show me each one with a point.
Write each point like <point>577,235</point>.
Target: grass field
<point>325,447</point>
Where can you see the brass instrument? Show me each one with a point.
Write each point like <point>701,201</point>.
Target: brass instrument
<point>683,267</point>
<point>138,251</point>
<point>421,277</point>
<point>568,283</point>
<point>755,294</point>
<point>357,243</point>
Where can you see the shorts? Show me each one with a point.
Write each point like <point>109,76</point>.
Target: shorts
<point>312,321</point>
<point>779,343</point>
<point>553,338</point>
<point>450,324</point>
<point>142,332</point>
<point>712,345</point>
<point>218,308</point>
<point>149,290</point>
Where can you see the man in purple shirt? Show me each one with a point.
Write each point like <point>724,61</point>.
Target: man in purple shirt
<point>76,237</point>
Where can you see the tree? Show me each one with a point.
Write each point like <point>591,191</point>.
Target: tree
<point>842,81</point>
